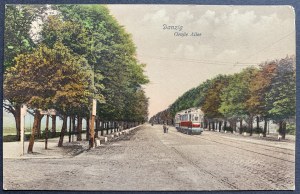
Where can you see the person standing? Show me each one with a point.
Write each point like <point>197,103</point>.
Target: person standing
<point>165,128</point>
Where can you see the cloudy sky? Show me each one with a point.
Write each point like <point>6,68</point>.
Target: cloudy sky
<point>232,37</point>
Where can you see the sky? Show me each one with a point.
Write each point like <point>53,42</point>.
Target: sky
<point>232,38</point>
<point>229,38</point>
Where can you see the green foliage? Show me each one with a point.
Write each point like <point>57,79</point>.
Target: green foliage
<point>236,93</point>
<point>269,92</point>
<point>17,38</point>
<point>259,87</point>
<point>136,107</point>
<point>50,78</point>
<point>281,98</point>
<point>213,101</point>
<point>83,53</point>
<point>90,31</point>
<point>195,97</point>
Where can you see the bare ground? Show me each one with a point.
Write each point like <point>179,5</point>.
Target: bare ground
<point>148,159</point>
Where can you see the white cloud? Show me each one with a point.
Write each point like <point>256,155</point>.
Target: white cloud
<point>229,34</point>
<point>209,14</point>
<point>158,16</point>
<point>208,18</point>
<point>183,17</point>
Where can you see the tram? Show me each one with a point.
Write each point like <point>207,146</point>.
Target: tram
<point>190,121</point>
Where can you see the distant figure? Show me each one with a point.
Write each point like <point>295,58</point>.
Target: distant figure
<point>152,123</point>
<point>165,128</point>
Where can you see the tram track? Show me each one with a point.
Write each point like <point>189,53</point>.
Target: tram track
<point>249,150</point>
<point>262,145</point>
<point>233,144</point>
<point>222,180</point>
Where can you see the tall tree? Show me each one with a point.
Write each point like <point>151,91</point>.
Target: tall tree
<point>49,78</point>
<point>259,86</point>
<point>234,96</point>
<point>281,98</point>
<point>108,49</point>
<point>136,107</point>
<point>194,97</point>
<point>18,20</point>
<point>17,40</point>
<point>213,101</point>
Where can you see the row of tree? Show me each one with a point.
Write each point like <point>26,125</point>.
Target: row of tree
<point>77,54</point>
<point>264,93</point>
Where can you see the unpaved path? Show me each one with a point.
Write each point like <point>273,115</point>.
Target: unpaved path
<point>151,160</point>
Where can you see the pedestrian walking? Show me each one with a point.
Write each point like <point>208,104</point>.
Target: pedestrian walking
<point>165,128</point>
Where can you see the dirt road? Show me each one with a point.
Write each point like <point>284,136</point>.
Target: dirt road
<point>152,160</point>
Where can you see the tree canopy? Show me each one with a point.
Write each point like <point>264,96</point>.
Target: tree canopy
<point>268,91</point>
<point>49,78</point>
<point>90,31</point>
<point>82,53</point>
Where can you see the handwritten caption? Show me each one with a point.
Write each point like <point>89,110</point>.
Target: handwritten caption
<point>179,31</point>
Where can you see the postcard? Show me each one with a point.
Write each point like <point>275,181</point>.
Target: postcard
<point>149,97</point>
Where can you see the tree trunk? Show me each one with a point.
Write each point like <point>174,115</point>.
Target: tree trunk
<point>251,125</point>
<point>230,124</point>
<point>241,126</point>
<point>234,126</point>
<point>63,130</point>
<point>209,126</point>
<point>225,125</point>
<point>97,128</point>
<point>17,115</point>
<point>101,127</point>
<point>282,128</point>
<point>220,125</point>
<point>87,128</point>
<point>265,127</point>
<point>117,126</point>
<point>34,128</point>
<point>106,127</point>
<point>70,127</point>
<point>73,125</point>
<point>257,122</point>
<point>39,131</point>
<point>46,132</point>
<point>53,130</point>
<point>79,128</point>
